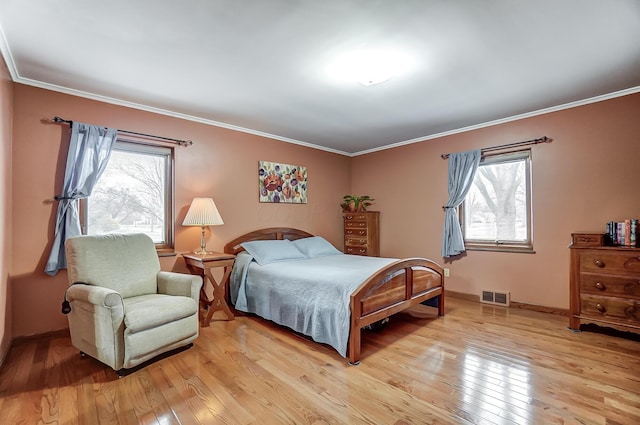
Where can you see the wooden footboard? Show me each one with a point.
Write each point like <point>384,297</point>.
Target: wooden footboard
<point>390,290</point>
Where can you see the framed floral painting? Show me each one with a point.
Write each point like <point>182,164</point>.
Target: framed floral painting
<point>282,183</point>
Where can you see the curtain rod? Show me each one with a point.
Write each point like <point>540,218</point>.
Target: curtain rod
<point>543,139</point>
<point>169,139</point>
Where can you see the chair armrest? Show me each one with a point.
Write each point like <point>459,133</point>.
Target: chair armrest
<point>187,285</point>
<point>96,295</point>
<point>102,298</point>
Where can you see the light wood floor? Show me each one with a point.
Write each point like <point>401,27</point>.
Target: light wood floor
<point>478,364</point>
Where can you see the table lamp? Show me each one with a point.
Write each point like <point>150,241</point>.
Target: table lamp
<point>202,212</point>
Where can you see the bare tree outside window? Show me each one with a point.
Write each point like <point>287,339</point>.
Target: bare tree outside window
<point>132,195</point>
<point>496,211</point>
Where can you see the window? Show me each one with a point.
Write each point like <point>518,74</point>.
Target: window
<point>134,194</point>
<point>496,213</point>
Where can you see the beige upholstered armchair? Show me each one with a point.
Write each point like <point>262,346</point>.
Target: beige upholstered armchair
<point>124,309</point>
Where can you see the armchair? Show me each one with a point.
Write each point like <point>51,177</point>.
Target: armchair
<point>124,309</point>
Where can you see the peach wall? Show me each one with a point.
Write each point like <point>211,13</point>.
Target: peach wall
<point>573,191</point>
<point>221,164</point>
<point>587,176</point>
<point>6,100</point>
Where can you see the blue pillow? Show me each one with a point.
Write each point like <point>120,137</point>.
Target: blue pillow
<point>315,246</point>
<point>271,251</point>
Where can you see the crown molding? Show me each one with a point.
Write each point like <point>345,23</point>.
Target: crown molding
<point>549,110</point>
<point>15,76</point>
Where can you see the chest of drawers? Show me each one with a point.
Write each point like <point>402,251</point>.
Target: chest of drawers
<point>605,286</point>
<point>361,233</point>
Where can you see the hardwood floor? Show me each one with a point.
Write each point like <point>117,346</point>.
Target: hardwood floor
<point>478,364</point>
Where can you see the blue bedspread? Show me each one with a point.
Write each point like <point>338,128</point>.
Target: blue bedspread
<point>310,296</point>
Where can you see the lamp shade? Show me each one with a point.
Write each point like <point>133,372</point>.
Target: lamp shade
<point>202,212</point>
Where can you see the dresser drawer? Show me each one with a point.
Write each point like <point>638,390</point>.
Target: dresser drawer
<point>598,261</point>
<point>355,224</point>
<point>355,232</point>
<point>610,285</point>
<point>355,241</point>
<point>587,239</point>
<point>356,250</point>
<point>610,307</point>
<point>355,217</point>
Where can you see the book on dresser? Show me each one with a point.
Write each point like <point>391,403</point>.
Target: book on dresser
<point>622,233</point>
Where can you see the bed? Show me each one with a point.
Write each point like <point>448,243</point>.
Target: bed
<point>301,281</point>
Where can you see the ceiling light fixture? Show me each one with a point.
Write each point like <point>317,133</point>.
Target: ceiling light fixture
<point>368,67</point>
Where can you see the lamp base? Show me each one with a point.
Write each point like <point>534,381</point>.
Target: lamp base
<point>203,245</point>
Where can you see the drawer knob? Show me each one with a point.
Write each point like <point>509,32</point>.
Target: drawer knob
<point>598,263</point>
<point>630,311</point>
<point>600,286</point>
<point>363,224</point>
<point>585,239</point>
<point>601,308</point>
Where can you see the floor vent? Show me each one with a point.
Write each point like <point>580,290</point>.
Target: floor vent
<point>495,297</point>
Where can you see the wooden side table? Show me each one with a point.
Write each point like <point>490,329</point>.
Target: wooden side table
<point>203,265</point>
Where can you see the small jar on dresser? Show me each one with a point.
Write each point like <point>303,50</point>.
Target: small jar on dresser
<point>362,233</point>
<point>605,283</point>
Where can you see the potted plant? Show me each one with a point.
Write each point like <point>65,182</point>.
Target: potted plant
<point>356,202</point>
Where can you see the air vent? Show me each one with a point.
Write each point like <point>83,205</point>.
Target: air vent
<point>495,297</point>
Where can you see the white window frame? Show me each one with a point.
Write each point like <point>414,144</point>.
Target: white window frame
<point>167,246</point>
<point>500,245</point>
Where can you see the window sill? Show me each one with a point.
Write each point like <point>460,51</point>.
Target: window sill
<point>501,248</point>
<point>166,252</point>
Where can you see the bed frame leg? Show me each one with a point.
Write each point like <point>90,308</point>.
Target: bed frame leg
<point>353,349</point>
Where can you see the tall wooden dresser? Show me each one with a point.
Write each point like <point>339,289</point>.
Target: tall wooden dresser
<point>605,283</point>
<point>362,233</point>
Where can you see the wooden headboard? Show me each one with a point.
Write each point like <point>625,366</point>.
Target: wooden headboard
<point>272,233</point>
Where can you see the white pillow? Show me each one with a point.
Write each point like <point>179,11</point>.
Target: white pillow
<point>271,251</point>
<point>315,246</point>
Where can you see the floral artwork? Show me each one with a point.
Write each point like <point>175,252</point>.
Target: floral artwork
<point>282,183</point>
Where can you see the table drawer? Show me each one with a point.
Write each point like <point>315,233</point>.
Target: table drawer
<point>610,307</point>
<point>608,285</point>
<point>597,261</point>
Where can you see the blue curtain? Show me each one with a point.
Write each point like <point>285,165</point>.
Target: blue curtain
<point>89,151</point>
<point>462,169</point>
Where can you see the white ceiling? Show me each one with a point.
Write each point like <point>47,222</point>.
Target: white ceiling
<point>260,65</point>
